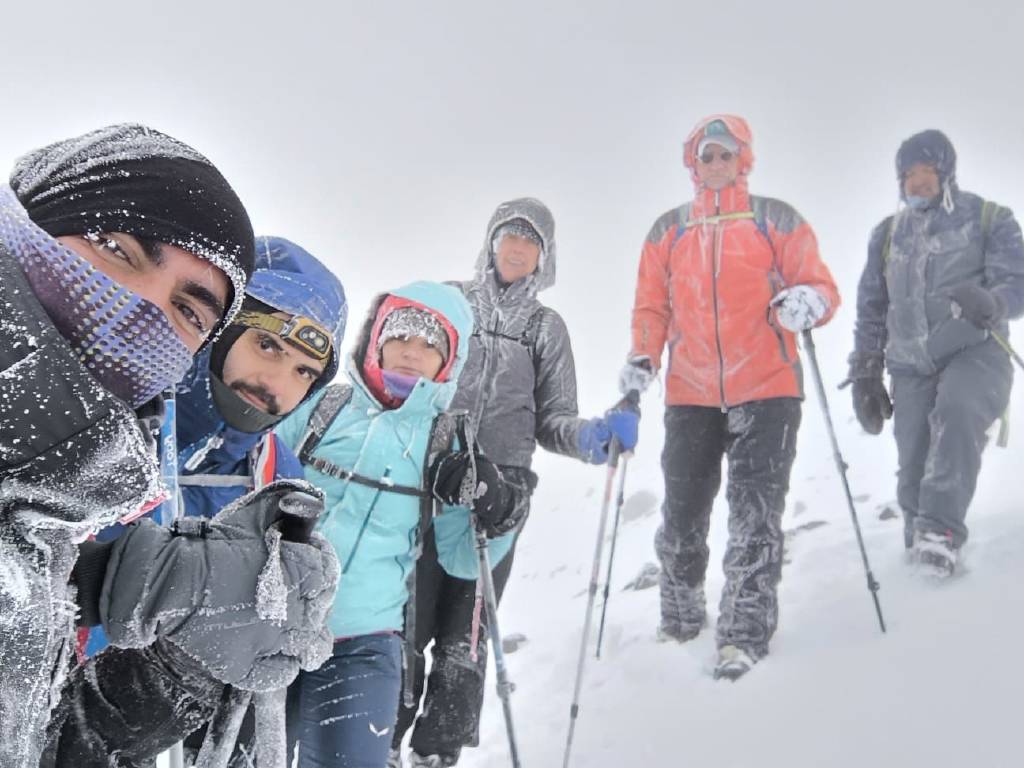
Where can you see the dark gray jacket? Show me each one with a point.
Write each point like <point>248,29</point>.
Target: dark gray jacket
<point>72,459</point>
<point>904,311</point>
<point>519,383</point>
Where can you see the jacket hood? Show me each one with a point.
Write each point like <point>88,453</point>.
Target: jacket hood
<point>539,216</point>
<point>290,279</point>
<point>449,305</point>
<point>929,147</point>
<point>738,129</point>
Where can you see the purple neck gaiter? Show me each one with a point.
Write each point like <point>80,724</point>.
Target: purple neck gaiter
<point>398,385</point>
<point>124,341</point>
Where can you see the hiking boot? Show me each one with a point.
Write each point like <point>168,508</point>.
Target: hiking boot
<point>733,663</point>
<point>431,761</point>
<point>394,758</point>
<point>673,632</point>
<point>935,554</point>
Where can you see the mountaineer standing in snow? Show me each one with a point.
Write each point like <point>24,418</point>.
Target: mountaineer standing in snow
<point>280,349</point>
<point>943,276</point>
<point>386,455</point>
<point>519,388</point>
<point>122,253</point>
<point>726,281</point>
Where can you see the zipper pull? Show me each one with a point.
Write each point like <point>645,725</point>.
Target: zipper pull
<point>216,441</point>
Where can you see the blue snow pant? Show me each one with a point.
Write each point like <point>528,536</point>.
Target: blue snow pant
<point>342,714</point>
<point>758,440</point>
<point>940,423</point>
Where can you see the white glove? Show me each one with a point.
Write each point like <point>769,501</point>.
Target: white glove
<point>637,374</point>
<point>799,308</point>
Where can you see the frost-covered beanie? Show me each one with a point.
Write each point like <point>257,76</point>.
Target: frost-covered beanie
<point>406,322</point>
<point>130,178</point>
<point>519,228</point>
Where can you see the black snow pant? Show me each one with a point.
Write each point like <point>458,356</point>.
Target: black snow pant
<point>758,440</point>
<point>940,424</point>
<point>129,705</point>
<point>450,717</point>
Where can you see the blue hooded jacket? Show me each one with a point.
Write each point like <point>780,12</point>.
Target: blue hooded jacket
<point>291,280</point>
<point>374,531</point>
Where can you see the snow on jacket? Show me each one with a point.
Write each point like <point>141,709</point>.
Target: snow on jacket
<point>72,459</point>
<point>904,313</point>
<point>374,531</point>
<point>707,274</point>
<point>519,385</point>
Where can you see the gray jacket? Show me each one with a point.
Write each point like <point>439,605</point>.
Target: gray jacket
<point>519,383</point>
<point>904,311</point>
<point>72,459</point>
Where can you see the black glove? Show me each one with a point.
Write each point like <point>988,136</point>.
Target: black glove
<point>452,481</point>
<point>978,305</point>
<point>871,403</point>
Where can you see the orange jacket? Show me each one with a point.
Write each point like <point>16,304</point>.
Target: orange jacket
<point>707,275</point>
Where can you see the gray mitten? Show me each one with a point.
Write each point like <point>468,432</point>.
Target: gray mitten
<point>230,592</point>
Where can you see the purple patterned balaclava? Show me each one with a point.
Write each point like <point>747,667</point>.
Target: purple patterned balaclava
<point>124,341</point>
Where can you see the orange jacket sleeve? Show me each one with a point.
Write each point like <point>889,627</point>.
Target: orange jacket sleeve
<point>801,264</point>
<point>652,310</point>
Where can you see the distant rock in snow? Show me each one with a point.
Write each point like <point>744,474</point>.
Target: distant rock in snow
<point>512,643</point>
<point>638,506</point>
<point>647,578</point>
<point>889,512</point>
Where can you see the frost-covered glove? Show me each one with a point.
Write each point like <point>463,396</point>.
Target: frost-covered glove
<point>454,482</point>
<point>871,403</point>
<point>231,592</point>
<point>621,422</point>
<point>636,375</point>
<point>799,308</point>
<point>978,305</point>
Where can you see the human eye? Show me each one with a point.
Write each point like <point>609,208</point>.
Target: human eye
<point>109,247</point>
<point>267,343</point>
<point>193,318</point>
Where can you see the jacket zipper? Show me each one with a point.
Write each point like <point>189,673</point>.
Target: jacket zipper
<point>715,264</point>
<point>366,522</point>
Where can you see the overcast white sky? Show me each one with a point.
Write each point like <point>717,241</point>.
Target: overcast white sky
<point>381,135</point>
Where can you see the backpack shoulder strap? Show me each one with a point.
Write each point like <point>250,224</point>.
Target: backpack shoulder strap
<point>988,213</point>
<point>336,397</point>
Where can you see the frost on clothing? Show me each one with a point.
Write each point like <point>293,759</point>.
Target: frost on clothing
<point>707,276</point>
<point>374,531</point>
<point>759,440</point>
<point>951,380</point>
<point>519,385</point>
<point>72,459</point>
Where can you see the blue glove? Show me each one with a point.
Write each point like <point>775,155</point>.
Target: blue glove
<point>596,435</point>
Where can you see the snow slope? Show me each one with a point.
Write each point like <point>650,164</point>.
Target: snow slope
<point>940,689</point>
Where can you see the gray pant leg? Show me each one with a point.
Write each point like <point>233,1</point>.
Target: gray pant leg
<point>761,450</point>
<point>973,391</point>
<point>692,465</point>
<point>913,399</point>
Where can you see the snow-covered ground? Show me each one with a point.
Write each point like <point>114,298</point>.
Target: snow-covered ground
<point>942,688</point>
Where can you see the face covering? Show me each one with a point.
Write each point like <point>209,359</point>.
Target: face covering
<point>918,203</point>
<point>398,385</point>
<point>124,341</point>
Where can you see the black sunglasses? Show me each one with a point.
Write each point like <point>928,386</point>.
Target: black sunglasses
<point>709,157</point>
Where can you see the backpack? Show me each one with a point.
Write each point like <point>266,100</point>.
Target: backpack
<point>442,438</point>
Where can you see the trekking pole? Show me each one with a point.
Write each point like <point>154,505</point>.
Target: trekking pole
<point>170,509</point>
<point>1005,344</point>
<point>505,686</point>
<point>611,552</point>
<point>574,709</point>
<point>632,402</point>
<point>841,465</point>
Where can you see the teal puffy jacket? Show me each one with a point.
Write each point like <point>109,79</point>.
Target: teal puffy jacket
<point>374,531</point>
